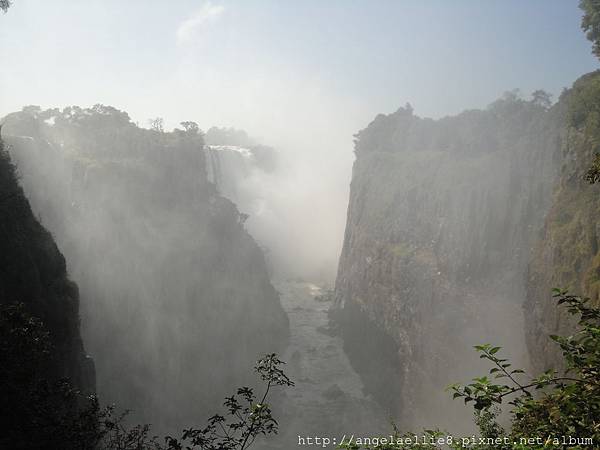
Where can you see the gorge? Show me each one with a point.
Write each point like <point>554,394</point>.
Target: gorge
<point>152,276</point>
<point>457,231</point>
<point>448,225</point>
<point>158,255</point>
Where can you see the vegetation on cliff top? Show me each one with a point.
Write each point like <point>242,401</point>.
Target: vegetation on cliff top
<point>162,260</point>
<point>591,23</point>
<point>52,414</point>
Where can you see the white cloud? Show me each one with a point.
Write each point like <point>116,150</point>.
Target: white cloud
<point>190,27</point>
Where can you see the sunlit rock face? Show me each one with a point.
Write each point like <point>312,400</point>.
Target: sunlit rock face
<point>567,253</point>
<point>441,220</point>
<point>176,299</point>
<point>33,272</point>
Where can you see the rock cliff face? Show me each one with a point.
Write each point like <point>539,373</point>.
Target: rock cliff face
<point>32,271</point>
<point>567,253</point>
<point>178,299</point>
<point>441,220</point>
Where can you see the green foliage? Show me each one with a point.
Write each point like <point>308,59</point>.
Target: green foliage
<point>4,5</point>
<point>47,414</point>
<point>157,124</point>
<point>228,136</point>
<point>38,413</point>
<point>117,436</point>
<point>541,98</point>
<point>584,104</point>
<point>247,417</point>
<point>567,404</point>
<point>593,173</point>
<point>572,404</point>
<point>543,408</point>
<point>190,127</point>
<point>590,23</point>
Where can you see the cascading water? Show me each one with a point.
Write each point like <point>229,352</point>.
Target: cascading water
<point>228,166</point>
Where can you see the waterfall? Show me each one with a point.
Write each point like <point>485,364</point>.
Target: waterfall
<point>228,166</point>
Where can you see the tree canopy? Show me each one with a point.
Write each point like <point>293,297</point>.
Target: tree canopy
<point>590,23</point>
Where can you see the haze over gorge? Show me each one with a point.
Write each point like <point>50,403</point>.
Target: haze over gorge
<point>240,233</point>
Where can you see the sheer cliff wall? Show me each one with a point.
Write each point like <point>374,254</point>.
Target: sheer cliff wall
<point>33,272</point>
<point>567,254</point>
<point>178,304</point>
<point>442,218</point>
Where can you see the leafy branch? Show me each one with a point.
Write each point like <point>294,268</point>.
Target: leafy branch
<point>483,392</point>
<point>247,417</point>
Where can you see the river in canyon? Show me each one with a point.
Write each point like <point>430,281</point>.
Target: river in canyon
<point>327,399</point>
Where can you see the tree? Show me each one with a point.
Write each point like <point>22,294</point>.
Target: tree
<point>550,406</point>
<point>190,127</point>
<point>541,98</point>
<point>157,124</point>
<point>590,23</point>
<point>569,404</point>
<point>37,412</point>
<point>49,414</point>
<point>243,217</point>
<point>593,173</point>
<point>5,4</point>
<point>247,417</point>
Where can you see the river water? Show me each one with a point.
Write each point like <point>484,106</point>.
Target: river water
<point>328,398</point>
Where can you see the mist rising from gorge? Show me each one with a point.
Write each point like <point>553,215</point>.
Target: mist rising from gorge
<point>275,71</point>
<point>355,187</point>
<point>176,293</point>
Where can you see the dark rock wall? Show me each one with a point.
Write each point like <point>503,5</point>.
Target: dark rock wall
<point>178,304</point>
<point>33,271</point>
<point>441,220</point>
<point>566,254</point>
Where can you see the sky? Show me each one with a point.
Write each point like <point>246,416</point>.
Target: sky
<point>219,62</point>
<point>302,76</point>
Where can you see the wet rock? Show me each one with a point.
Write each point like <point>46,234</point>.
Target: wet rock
<point>333,392</point>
